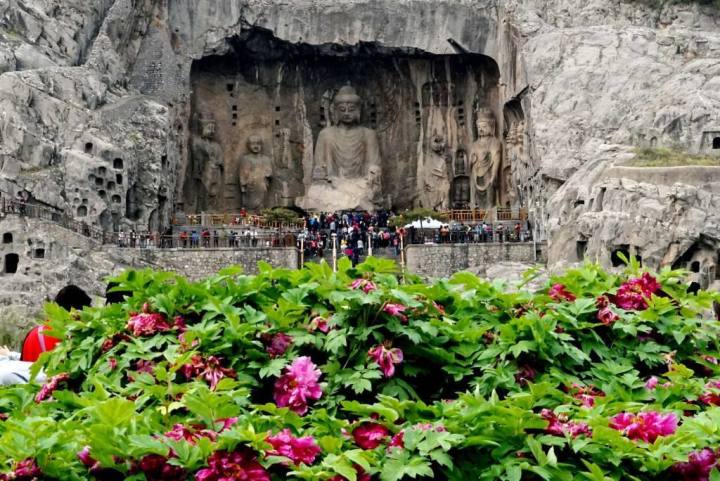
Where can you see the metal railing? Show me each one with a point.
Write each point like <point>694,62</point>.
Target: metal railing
<point>234,220</point>
<point>145,240</point>
<point>15,207</point>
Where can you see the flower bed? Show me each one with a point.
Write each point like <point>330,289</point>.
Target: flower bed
<point>354,376</point>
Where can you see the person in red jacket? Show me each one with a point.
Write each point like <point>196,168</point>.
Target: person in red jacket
<point>37,340</point>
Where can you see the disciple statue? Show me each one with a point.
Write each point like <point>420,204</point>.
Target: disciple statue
<point>435,192</point>
<point>255,174</point>
<point>461,182</point>
<point>209,162</point>
<point>485,159</point>
<point>346,170</point>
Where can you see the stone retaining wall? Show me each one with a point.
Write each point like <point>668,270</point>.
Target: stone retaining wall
<point>196,264</point>
<point>443,260</point>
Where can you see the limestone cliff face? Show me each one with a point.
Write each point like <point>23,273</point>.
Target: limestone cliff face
<point>96,100</point>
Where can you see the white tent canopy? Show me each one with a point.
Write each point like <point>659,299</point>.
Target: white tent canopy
<point>427,223</point>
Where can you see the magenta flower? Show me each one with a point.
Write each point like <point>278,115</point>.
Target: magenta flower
<point>386,358</point>
<point>364,284</point>
<point>711,397</point>
<point>397,441</point>
<point>605,314</point>
<point>241,465</point>
<point>298,385</point>
<point>646,426</point>
<point>698,466</point>
<point>147,324</point>
<point>558,292</point>
<point>210,370</point>
<point>144,366</point>
<point>396,310</point>
<point>298,450</point>
<point>50,386</point>
<point>525,374</point>
<point>26,470</point>
<point>277,344</point>
<point>370,435</point>
<point>633,294</point>
<point>561,426</point>
<point>156,468</point>
<point>586,394</point>
<point>91,463</point>
<point>319,323</point>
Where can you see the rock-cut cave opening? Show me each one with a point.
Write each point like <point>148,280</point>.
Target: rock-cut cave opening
<point>281,94</point>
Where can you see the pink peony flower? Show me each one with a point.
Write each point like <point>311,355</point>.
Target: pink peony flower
<point>241,465</point>
<point>147,324</point>
<point>91,463</point>
<point>50,386</point>
<point>298,450</point>
<point>370,435</point>
<point>646,426</point>
<point>298,385</point>
<point>633,294</point>
<point>145,366</point>
<point>112,362</point>
<point>558,292</point>
<point>113,341</point>
<point>606,316</point>
<point>698,466</point>
<point>397,441</point>
<point>386,358</point>
<point>364,284</point>
<point>277,344</point>
<point>525,375</point>
<point>560,426</point>
<point>319,323</point>
<point>396,310</point>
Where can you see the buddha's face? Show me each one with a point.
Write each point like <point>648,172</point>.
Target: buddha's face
<point>254,145</point>
<point>208,130</point>
<point>438,144</point>
<point>485,128</point>
<point>348,112</point>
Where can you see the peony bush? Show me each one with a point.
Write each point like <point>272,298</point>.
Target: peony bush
<point>354,376</point>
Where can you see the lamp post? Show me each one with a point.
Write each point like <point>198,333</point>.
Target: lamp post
<point>302,250</point>
<point>369,244</point>
<point>401,232</point>
<point>334,251</point>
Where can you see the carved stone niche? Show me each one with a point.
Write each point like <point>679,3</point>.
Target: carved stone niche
<point>284,94</point>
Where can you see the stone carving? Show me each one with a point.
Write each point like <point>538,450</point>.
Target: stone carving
<point>512,163</point>
<point>461,181</point>
<point>485,159</point>
<point>346,170</point>
<point>435,191</point>
<point>208,158</point>
<point>255,174</point>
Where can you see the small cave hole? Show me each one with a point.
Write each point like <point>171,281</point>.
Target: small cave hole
<point>88,148</point>
<point>11,263</point>
<point>118,163</point>
<point>230,87</point>
<point>234,108</point>
<point>716,143</point>
<point>118,179</point>
<point>110,185</point>
<point>102,194</point>
<point>99,181</point>
<point>116,199</point>
<point>102,170</point>
<point>7,238</point>
<point>617,254</point>
<point>579,202</point>
<point>82,211</point>
<point>39,253</point>
<point>163,161</point>
<point>580,248</point>
<point>695,266</point>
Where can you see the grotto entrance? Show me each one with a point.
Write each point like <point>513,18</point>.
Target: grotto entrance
<point>257,112</point>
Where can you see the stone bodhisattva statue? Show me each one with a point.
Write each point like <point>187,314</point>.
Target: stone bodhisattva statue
<point>254,174</point>
<point>485,159</point>
<point>208,157</point>
<point>346,170</point>
<point>436,179</point>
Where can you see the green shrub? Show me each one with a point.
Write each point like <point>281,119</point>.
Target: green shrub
<point>194,380</point>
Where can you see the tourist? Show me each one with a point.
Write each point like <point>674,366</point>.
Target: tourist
<point>184,239</point>
<point>216,239</point>
<point>194,239</point>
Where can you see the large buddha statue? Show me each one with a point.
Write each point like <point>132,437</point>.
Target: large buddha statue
<point>255,174</point>
<point>346,167</point>
<point>485,159</point>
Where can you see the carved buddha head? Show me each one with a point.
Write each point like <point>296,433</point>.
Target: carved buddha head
<point>254,144</point>
<point>207,126</point>
<point>485,123</point>
<point>347,105</point>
